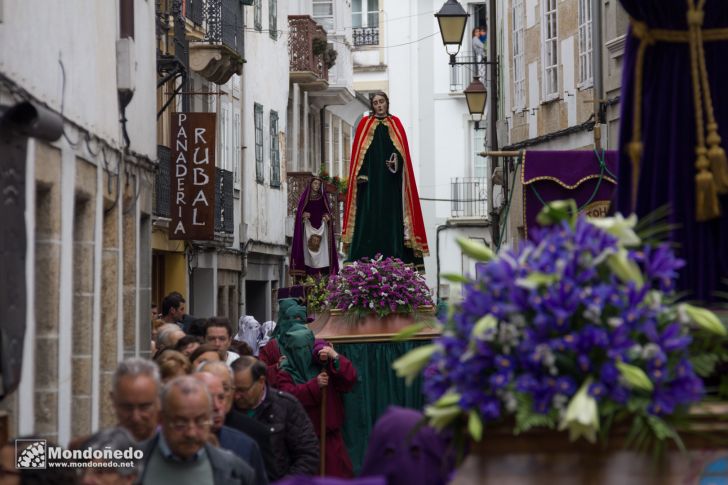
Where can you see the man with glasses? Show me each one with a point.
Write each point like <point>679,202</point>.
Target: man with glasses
<point>293,441</point>
<point>135,397</point>
<point>180,453</point>
<point>219,332</point>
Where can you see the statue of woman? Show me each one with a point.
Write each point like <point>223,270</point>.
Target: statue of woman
<point>314,248</point>
<point>382,213</point>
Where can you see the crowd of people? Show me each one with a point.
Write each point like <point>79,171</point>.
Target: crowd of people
<point>212,406</point>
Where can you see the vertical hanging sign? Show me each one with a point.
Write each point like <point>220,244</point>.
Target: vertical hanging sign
<point>192,189</point>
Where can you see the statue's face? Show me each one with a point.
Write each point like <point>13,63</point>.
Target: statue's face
<point>316,185</point>
<point>380,105</point>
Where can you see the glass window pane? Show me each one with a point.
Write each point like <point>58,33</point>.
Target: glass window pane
<point>356,20</point>
<point>322,9</point>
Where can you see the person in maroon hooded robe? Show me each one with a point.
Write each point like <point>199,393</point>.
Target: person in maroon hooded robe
<point>313,251</point>
<point>337,376</point>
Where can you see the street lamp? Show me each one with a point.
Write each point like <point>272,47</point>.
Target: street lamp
<point>475,96</point>
<point>452,19</point>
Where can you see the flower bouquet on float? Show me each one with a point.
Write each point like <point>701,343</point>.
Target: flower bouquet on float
<point>572,359</point>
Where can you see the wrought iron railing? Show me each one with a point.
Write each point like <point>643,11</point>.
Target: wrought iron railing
<point>224,202</point>
<point>469,197</point>
<point>225,23</point>
<point>365,36</point>
<point>195,11</point>
<point>462,74</point>
<point>162,182</point>
<point>302,32</point>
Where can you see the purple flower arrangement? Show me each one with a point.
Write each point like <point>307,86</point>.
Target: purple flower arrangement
<point>576,329</point>
<point>380,286</point>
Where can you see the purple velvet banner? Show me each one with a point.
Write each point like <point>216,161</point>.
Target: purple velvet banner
<point>560,175</point>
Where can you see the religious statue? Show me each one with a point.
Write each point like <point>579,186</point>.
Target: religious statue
<point>314,248</point>
<point>382,213</point>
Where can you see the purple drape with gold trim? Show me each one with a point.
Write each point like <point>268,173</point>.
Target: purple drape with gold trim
<point>558,175</point>
<point>667,168</point>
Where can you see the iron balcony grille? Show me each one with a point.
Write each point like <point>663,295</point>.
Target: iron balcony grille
<point>366,36</point>
<point>302,32</point>
<point>162,182</point>
<point>225,24</point>
<point>194,10</point>
<point>469,197</point>
<point>462,74</point>
<point>224,210</point>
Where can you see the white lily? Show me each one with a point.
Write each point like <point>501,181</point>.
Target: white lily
<point>625,269</point>
<point>705,319</point>
<point>635,377</point>
<point>620,227</point>
<point>582,416</point>
<point>411,363</point>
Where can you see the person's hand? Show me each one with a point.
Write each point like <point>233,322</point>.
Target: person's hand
<point>281,361</point>
<point>326,218</point>
<point>327,353</point>
<point>306,215</point>
<point>322,379</point>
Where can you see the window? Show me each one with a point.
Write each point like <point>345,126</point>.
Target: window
<point>259,143</point>
<point>365,13</point>
<point>275,154</point>
<point>585,43</point>
<point>323,12</point>
<point>550,58</point>
<point>519,68</point>
<point>226,148</point>
<point>478,144</point>
<point>273,18</point>
<point>258,15</point>
<point>237,148</point>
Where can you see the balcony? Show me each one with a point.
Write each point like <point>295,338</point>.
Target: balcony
<point>363,36</point>
<point>306,47</point>
<point>462,74</point>
<point>220,54</point>
<point>469,197</point>
<point>224,208</point>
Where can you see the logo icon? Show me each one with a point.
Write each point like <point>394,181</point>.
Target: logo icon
<point>30,454</point>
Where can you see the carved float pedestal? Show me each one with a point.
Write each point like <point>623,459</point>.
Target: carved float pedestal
<point>547,456</point>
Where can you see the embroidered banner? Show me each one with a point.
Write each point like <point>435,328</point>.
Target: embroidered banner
<point>585,176</point>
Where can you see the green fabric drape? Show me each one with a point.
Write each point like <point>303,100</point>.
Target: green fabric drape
<point>297,345</point>
<point>379,226</point>
<point>377,388</point>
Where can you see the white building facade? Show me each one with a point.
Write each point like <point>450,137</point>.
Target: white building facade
<point>88,203</point>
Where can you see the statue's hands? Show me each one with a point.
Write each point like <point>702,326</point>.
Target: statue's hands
<point>326,218</point>
<point>306,215</point>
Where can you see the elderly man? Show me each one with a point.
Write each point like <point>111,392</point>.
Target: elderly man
<point>231,439</point>
<point>135,397</point>
<point>237,420</point>
<point>294,443</point>
<point>124,471</point>
<point>167,337</point>
<point>180,453</point>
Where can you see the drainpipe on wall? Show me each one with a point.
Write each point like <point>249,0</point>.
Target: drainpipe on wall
<point>597,71</point>
<point>322,122</point>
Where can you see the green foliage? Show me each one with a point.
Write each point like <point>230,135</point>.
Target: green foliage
<point>316,293</point>
<point>527,418</point>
